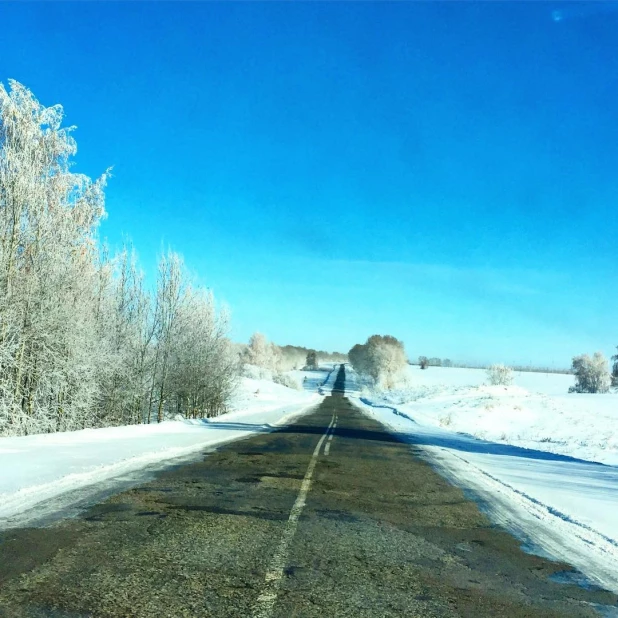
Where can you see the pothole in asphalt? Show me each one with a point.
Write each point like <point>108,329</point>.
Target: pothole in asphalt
<point>280,482</point>
<point>338,516</point>
<point>218,510</point>
<point>292,570</point>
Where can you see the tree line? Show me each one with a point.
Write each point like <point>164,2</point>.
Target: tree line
<point>83,342</point>
<point>274,360</point>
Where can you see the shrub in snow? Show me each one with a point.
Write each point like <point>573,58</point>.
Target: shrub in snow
<point>286,380</point>
<point>500,375</point>
<point>423,361</point>
<point>446,421</point>
<point>591,374</point>
<point>256,373</point>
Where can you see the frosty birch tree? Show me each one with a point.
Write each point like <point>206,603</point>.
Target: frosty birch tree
<point>82,342</point>
<point>48,222</point>
<point>262,353</point>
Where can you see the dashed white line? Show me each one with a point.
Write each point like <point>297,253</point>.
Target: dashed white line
<point>330,438</point>
<point>266,601</point>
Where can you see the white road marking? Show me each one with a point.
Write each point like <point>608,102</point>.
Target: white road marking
<point>332,433</point>
<point>266,601</point>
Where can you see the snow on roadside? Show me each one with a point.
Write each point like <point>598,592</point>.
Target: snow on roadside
<point>535,412</point>
<point>40,467</point>
<point>567,507</point>
<point>319,380</point>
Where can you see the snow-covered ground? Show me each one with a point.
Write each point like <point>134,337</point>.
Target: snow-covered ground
<point>535,412</point>
<point>529,452</point>
<point>43,474</point>
<point>321,380</point>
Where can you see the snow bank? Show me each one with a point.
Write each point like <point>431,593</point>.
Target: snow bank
<point>535,412</point>
<point>40,467</point>
<point>564,506</point>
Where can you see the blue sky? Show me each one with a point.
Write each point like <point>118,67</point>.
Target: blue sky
<point>445,172</point>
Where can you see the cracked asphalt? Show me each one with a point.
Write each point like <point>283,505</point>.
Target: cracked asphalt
<point>380,535</point>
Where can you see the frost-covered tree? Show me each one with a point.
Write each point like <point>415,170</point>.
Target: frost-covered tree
<point>262,353</point>
<point>292,357</point>
<point>591,374</point>
<point>51,273</point>
<point>614,377</point>
<point>500,375</point>
<point>358,359</point>
<point>311,362</point>
<point>82,341</point>
<point>380,358</point>
<point>205,366</point>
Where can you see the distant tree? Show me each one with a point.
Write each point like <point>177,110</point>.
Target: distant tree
<point>358,358</point>
<point>435,362</point>
<point>615,370</point>
<point>311,362</point>
<point>591,374</point>
<point>447,362</point>
<point>380,358</point>
<point>423,361</point>
<point>261,353</point>
<point>295,357</point>
<point>500,375</point>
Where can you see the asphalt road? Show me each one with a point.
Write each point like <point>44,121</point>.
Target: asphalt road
<point>328,517</point>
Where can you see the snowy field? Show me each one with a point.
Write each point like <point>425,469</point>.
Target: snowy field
<point>44,474</point>
<point>528,452</point>
<point>536,412</point>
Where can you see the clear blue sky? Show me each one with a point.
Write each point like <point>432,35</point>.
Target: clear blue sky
<point>443,172</point>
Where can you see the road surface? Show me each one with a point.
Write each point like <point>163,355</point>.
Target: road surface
<point>329,517</point>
